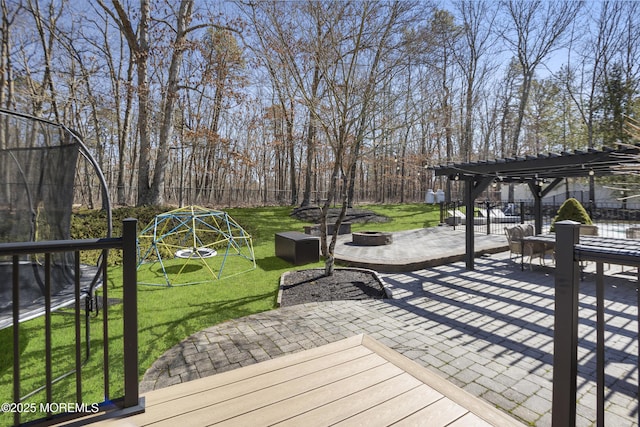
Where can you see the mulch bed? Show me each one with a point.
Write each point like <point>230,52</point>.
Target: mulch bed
<point>303,286</point>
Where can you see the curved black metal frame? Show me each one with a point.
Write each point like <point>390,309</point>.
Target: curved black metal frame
<point>97,280</point>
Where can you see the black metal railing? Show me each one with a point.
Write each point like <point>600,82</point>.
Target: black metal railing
<point>488,217</point>
<point>569,256</point>
<point>129,402</point>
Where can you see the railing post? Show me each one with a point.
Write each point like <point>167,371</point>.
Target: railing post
<point>565,338</point>
<point>130,309</point>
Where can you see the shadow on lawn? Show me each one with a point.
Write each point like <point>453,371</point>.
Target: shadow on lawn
<point>6,343</point>
<point>273,263</point>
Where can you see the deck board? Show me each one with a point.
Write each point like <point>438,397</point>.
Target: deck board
<point>281,413</point>
<point>362,399</point>
<point>395,408</point>
<point>469,420</point>
<point>353,382</point>
<point>239,398</point>
<point>440,413</point>
<point>316,357</point>
<point>255,404</point>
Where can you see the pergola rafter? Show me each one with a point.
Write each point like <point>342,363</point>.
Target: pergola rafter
<point>541,173</point>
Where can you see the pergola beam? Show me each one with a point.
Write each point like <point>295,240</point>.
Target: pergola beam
<point>549,166</point>
<point>534,171</point>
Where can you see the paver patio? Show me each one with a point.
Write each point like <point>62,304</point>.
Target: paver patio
<point>489,331</point>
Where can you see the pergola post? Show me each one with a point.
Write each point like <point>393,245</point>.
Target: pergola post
<point>469,202</point>
<point>473,187</point>
<point>538,193</point>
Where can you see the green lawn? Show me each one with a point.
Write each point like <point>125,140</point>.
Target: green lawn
<point>167,315</point>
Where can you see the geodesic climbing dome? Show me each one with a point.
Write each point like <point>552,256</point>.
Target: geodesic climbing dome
<point>193,245</point>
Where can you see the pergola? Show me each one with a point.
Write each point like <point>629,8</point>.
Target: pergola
<point>541,173</point>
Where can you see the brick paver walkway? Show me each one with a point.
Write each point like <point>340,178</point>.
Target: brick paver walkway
<point>488,331</point>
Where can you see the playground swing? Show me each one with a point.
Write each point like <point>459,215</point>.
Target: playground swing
<point>189,253</point>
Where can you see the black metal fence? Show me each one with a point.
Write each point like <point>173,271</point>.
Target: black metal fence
<point>129,401</point>
<point>88,195</point>
<point>570,253</point>
<point>612,220</point>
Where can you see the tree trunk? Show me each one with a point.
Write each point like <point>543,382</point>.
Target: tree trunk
<point>311,136</point>
<point>138,41</point>
<point>166,129</point>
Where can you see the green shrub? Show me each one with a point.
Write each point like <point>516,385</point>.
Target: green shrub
<point>92,224</point>
<point>573,210</point>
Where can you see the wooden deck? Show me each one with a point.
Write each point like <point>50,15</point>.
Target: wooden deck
<point>356,381</point>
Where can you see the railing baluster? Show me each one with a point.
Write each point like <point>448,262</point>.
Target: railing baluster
<point>600,327</point>
<point>87,323</point>
<point>76,269</point>
<point>105,326</point>
<point>47,328</point>
<point>16,336</point>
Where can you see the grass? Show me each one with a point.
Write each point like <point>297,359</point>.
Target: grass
<point>168,315</point>
<point>403,217</point>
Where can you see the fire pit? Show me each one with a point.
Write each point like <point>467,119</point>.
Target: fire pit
<point>371,238</point>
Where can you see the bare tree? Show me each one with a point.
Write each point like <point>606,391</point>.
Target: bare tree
<point>151,187</point>
<point>283,82</point>
<point>138,41</point>
<point>181,30</point>
<point>622,78</point>
<point>537,29</point>
<point>350,99</point>
<point>46,27</point>
<point>352,90</point>
<point>214,83</point>
<point>442,34</point>
<point>6,77</point>
<point>478,18</point>
<point>123,112</point>
<point>284,89</point>
<point>595,52</point>
<point>355,43</point>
